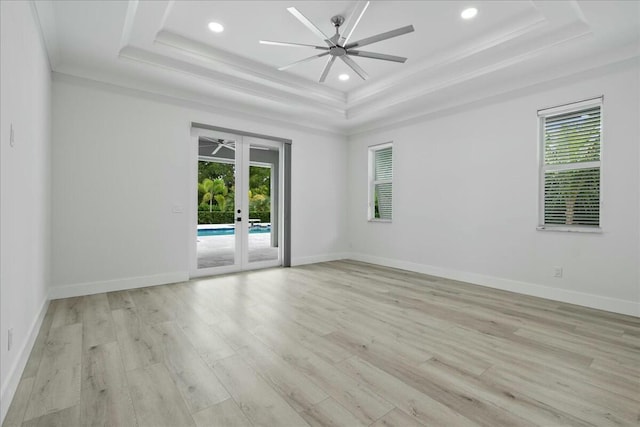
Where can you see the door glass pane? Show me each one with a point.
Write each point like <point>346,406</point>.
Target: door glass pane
<point>216,238</point>
<point>263,203</point>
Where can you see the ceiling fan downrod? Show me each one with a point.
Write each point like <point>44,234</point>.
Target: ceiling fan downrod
<point>336,49</point>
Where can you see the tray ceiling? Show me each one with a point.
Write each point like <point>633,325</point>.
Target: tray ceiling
<point>165,47</point>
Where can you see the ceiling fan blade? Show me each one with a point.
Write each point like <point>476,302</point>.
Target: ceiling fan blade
<point>311,58</point>
<point>269,42</point>
<point>218,148</point>
<point>212,140</point>
<point>327,67</point>
<point>353,21</point>
<point>355,67</point>
<point>374,55</point>
<point>315,30</point>
<point>380,37</point>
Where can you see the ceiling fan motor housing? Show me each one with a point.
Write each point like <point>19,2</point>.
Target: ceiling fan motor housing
<point>337,51</point>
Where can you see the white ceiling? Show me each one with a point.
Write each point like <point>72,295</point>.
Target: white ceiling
<point>164,47</point>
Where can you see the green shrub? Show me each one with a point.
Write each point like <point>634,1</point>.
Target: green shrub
<point>263,216</point>
<point>215,217</point>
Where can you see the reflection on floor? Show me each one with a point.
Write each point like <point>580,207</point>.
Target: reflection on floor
<point>216,251</point>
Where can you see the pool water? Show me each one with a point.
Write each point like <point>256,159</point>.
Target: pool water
<point>230,231</point>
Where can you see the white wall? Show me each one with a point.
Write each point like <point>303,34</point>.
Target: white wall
<point>25,196</point>
<point>121,162</point>
<point>466,200</point>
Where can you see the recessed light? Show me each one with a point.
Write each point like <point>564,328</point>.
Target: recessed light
<point>215,27</point>
<point>469,13</point>
<point>344,77</point>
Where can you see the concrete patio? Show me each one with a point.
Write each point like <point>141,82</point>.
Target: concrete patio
<point>217,251</point>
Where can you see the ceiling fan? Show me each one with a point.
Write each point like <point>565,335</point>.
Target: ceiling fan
<point>338,45</point>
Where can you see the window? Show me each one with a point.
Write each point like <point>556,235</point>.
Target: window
<point>380,182</point>
<point>571,141</point>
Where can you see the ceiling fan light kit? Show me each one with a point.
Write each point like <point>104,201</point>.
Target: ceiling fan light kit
<point>338,45</point>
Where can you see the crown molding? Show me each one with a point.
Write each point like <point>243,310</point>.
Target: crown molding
<point>44,16</point>
<point>234,83</point>
<point>249,69</point>
<point>625,58</point>
<point>129,19</point>
<point>159,93</point>
<point>420,87</point>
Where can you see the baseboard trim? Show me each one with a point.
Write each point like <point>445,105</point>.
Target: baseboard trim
<point>562,295</point>
<point>319,258</point>
<point>90,288</point>
<point>15,373</point>
<point>614,305</point>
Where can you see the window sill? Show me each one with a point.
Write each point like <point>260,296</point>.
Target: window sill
<point>379,220</point>
<point>576,229</point>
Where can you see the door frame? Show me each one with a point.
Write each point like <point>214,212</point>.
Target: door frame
<point>242,195</point>
<point>247,142</point>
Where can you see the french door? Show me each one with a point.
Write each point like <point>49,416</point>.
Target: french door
<point>238,203</point>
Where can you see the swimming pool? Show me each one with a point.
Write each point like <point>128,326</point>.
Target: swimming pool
<point>227,231</point>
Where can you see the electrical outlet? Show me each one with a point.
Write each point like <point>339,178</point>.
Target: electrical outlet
<point>557,272</point>
<point>9,339</point>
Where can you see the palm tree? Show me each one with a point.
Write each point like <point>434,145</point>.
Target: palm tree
<point>213,189</point>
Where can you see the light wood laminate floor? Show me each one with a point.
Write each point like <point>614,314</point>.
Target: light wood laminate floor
<point>339,343</point>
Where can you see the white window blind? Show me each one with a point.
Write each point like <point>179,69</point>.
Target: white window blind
<point>381,182</point>
<point>570,170</point>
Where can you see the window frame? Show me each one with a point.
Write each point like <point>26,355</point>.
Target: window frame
<point>372,182</point>
<point>542,167</point>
